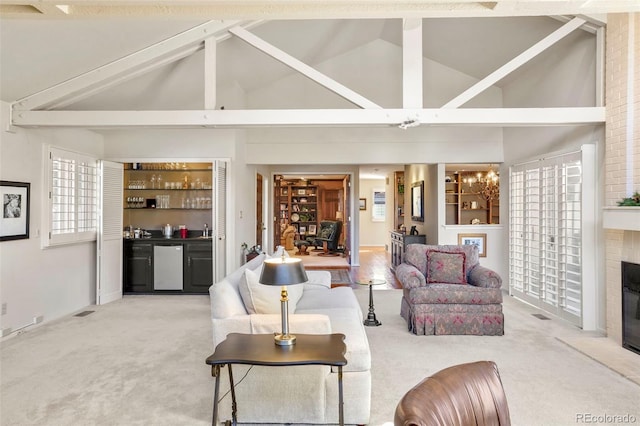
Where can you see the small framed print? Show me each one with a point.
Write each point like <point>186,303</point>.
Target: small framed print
<point>363,203</point>
<point>479,240</point>
<point>303,230</point>
<point>14,223</point>
<point>312,229</point>
<point>302,192</point>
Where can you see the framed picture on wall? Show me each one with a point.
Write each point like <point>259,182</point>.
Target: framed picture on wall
<point>479,240</point>
<point>417,197</point>
<point>14,222</point>
<point>363,203</point>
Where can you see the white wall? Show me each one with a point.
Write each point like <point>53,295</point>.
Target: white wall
<point>35,282</point>
<point>373,233</point>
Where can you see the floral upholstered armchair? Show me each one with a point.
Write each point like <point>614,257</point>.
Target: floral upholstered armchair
<point>447,291</point>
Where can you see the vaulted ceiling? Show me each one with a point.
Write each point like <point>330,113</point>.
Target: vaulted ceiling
<point>42,44</point>
<point>37,54</point>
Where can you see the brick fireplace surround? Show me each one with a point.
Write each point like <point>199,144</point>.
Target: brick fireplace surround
<point>622,158</point>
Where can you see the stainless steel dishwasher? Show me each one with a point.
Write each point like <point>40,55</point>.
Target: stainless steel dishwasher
<point>167,267</point>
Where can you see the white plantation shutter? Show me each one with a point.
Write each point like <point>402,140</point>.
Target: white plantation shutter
<point>550,243</point>
<point>109,246</point>
<point>72,197</point>
<point>220,234</point>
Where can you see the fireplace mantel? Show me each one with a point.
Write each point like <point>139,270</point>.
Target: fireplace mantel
<point>625,218</point>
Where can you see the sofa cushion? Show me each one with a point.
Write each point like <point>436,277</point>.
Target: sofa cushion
<point>446,267</point>
<point>225,300</point>
<point>324,298</point>
<point>265,299</point>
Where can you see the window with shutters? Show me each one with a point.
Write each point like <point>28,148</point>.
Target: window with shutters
<point>72,197</point>
<point>378,211</point>
<point>547,240</point>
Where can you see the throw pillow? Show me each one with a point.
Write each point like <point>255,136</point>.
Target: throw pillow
<point>446,267</point>
<point>225,300</point>
<point>265,299</point>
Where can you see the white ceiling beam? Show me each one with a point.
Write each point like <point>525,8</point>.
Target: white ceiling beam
<point>412,63</point>
<point>210,73</point>
<point>127,67</point>
<point>328,9</point>
<point>303,68</point>
<point>515,63</point>
<point>102,85</point>
<point>237,119</point>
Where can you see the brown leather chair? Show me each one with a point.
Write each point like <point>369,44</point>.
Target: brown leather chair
<point>462,395</point>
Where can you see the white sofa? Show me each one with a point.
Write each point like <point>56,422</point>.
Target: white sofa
<point>300,394</point>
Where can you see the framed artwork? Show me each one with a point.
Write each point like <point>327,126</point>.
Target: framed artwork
<point>479,240</point>
<point>312,229</point>
<point>417,197</point>
<point>14,222</point>
<point>303,230</point>
<point>363,203</point>
<point>302,192</point>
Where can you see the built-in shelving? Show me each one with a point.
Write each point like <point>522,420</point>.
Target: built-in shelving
<point>174,193</point>
<point>465,206</point>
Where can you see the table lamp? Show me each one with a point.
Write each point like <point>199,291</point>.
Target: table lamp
<point>283,272</point>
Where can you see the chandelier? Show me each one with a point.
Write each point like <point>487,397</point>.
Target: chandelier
<point>487,186</point>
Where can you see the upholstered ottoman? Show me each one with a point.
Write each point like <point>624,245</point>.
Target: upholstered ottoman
<point>302,247</point>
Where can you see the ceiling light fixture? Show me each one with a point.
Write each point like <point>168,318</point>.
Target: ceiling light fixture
<point>409,123</point>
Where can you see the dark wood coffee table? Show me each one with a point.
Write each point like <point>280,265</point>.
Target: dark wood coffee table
<point>260,349</point>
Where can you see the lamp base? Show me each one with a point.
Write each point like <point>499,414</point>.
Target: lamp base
<point>285,340</point>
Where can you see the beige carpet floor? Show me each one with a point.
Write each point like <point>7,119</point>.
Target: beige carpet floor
<point>140,361</point>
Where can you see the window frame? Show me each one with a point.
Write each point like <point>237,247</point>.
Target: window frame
<point>378,209</point>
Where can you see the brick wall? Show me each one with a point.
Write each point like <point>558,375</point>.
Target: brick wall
<point>622,153</point>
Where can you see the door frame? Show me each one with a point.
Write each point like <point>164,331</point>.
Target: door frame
<point>350,218</point>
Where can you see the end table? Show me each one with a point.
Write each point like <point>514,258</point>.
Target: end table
<point>371,319</point>
<point>259,349</point>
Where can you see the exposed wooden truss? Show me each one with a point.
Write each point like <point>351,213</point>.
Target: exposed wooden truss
<point>40,109</point>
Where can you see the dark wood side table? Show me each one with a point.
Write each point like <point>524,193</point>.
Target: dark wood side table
<point>260,349</point>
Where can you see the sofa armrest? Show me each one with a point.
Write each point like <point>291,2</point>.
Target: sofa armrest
<point>481,276</point>
<point>234,324</point>
<point>409,276</point>
<point>298,323</point>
